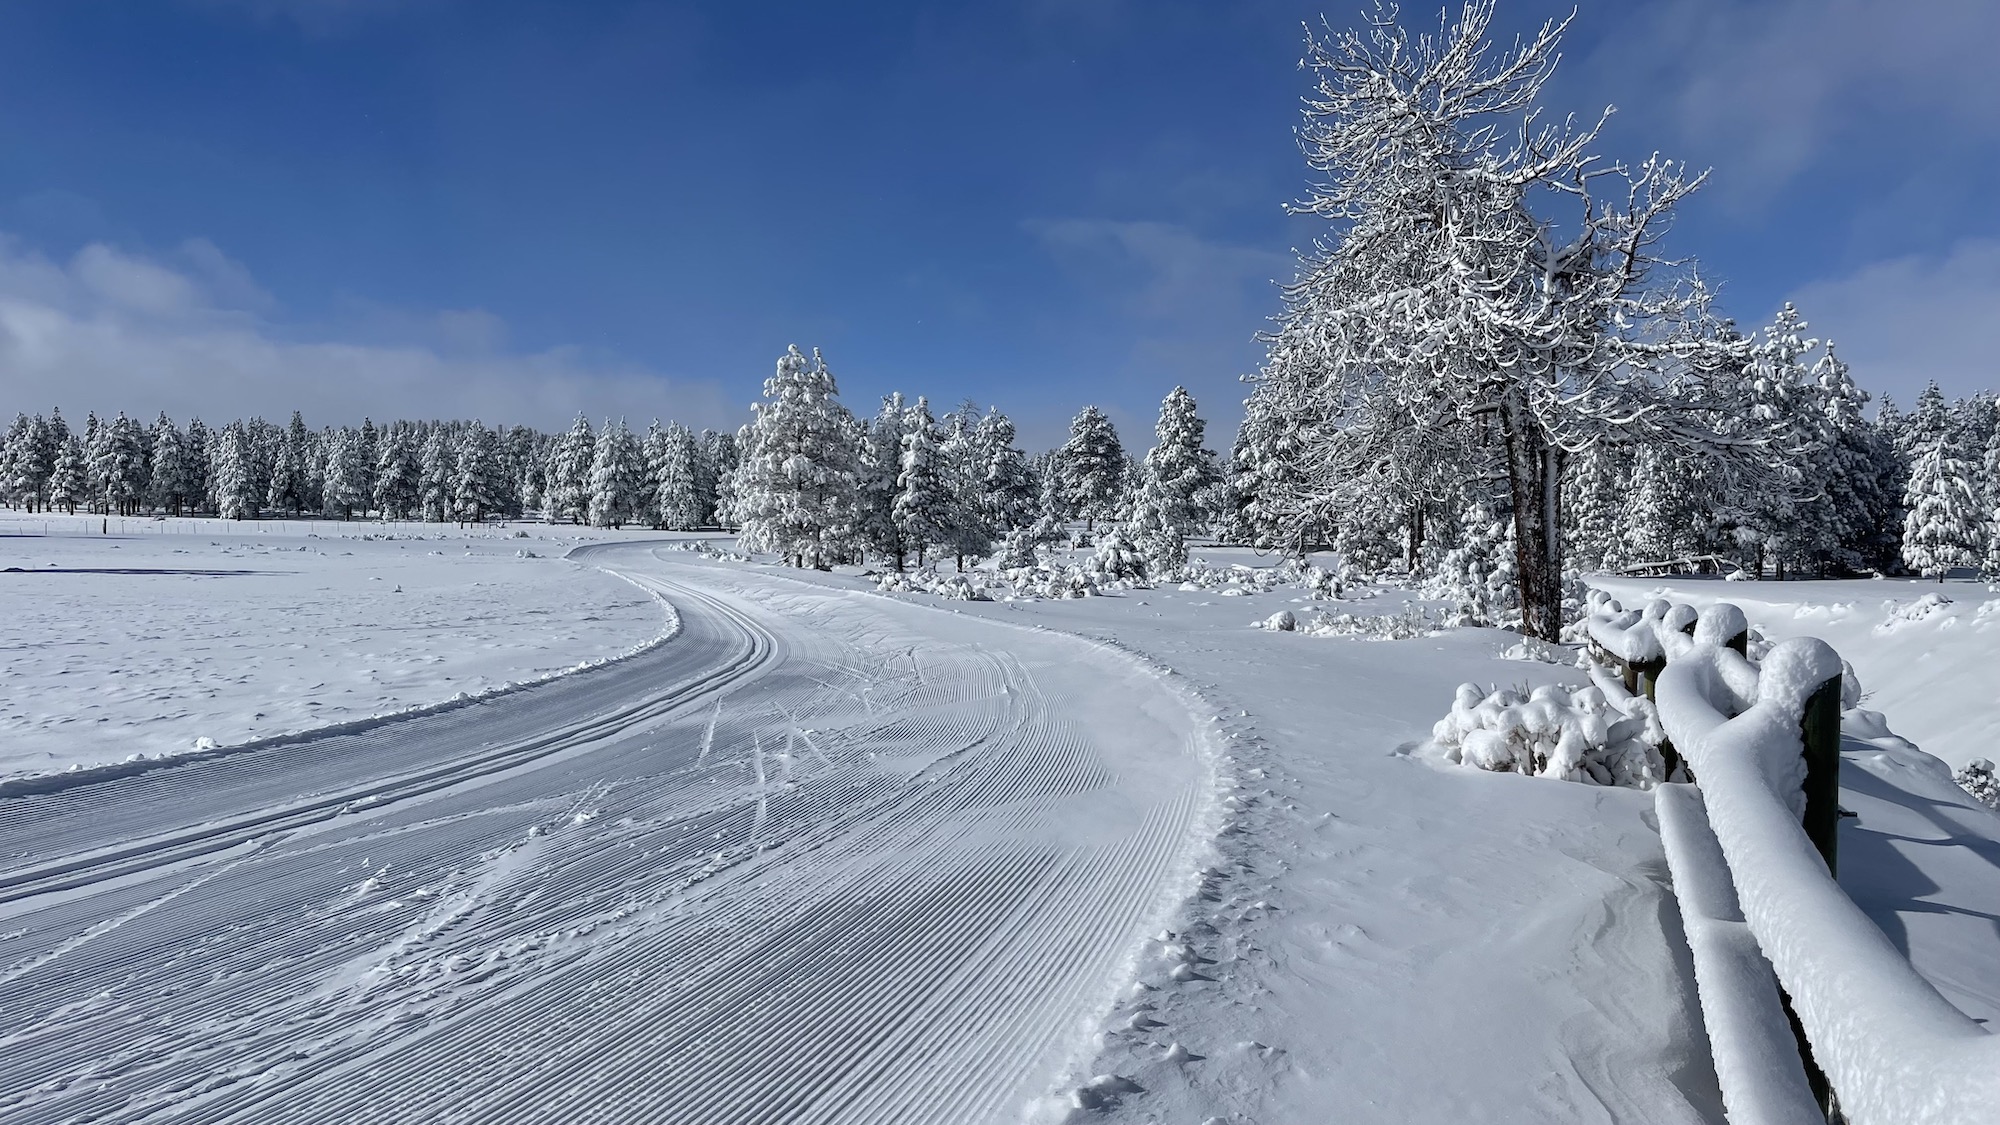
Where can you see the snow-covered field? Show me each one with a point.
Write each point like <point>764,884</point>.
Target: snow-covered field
<point>162,634</point>
<point>833,854</point>
<point>1927,653</point>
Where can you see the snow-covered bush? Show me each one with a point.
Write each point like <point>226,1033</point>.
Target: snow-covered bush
<point>1410,622</point>
<point>1554,732</point>
<point>1979,779</point>
<point>1477,576</point>
<point>1117,557</point>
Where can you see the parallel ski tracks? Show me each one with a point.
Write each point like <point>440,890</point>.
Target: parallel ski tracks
<point>881,930</point>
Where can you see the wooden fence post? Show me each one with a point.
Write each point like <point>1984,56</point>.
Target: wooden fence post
<point>1820,729</point>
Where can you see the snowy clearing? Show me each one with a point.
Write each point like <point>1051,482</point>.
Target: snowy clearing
<point>164,633</point>
<point>820,857</point>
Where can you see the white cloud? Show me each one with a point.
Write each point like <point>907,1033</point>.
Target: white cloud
<point>114,331</point>
<point>1766,89</point>
<point>1161,270</point>
<point>1905,321</point>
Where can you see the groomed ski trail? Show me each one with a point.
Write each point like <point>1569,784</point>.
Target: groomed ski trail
<point>822,857</point>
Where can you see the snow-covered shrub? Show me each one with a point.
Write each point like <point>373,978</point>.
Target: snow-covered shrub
<point>1283,621</point>
<point>1554,732</point>
<point>1117,557</point>
<point>1979,779</point>
<point>969,587</point>
<point>1412,621</point>
<point>1477,576</point>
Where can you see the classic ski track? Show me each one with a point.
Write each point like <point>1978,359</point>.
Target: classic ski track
<point>666,917</point>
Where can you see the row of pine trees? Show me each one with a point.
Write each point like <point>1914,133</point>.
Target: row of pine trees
<point>806,479</point>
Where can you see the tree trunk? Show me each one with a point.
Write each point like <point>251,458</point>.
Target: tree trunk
<point>1534,478</point>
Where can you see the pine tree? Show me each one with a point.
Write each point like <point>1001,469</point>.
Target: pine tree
<point>653,460</point>
<point>288,489</point>
<point>678,488</point>
<point>33,462</point>
<point>172,481</point>
<point>720,454</point>
<point>1091,465</point>
<point>69,483</point>
<point>199,438</point>
<point>1992,472</point>
<point>566,491</point>
<point>1477,575</point>
<point>343,487</point>
<point>398,474</point>
<point>1943,529</point>
<point>968,525</point>
<point>1167,509</point>
<point>922,501</point>
<point>479,483</point>
<point>1008,487</point>
<point>234,473</point>
<point>617,476</point>
<point>878,466</point>
<point>434,471</point>
<point>1594,505</point>
<point>795,489</point>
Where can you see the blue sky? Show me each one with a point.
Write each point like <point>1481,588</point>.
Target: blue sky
<point>517,210</point>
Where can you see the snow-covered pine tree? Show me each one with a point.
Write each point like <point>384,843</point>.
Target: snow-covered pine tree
<point>32,460</point>
<point>566,490</point>
<point>653,463</point>
<point>399,482</point>
<point>678,487</point>
<point>1990,469</point>
<point>1091,468</point>
<point>288,487</point>
<point>1774,514</point>
<point>1850,468</point>
<point>1007,486</point>
<point>1945,527</point>
<point>522,464</point>
<point>879,464</point>
<point>923,501</point>
<point>1176,471</point>
<point>1595,503</point>
<point>344,485</point>
<point>719,456</point>
<point>234,474</point>
<point>69,483</point>
<point>617,476</point>
<point>1477,575</point>
<point>435,463</point>
<point>479,479</point>
<point>123,469</point>
<point>794,491</point>
<point>172,482</point>
<point>968,526</point>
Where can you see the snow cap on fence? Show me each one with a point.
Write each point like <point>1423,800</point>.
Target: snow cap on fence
<point>1719,624</point>
<point>1793,670</point>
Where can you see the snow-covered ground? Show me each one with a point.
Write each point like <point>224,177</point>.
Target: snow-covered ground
<point>163,633</point>
<point>1927,652</point>
<point>835,854</point>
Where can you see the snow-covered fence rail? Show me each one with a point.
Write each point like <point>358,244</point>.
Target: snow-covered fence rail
<point>1753,865</point>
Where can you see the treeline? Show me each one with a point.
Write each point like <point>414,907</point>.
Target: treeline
<point>806,479</point>
<point>403,470</point>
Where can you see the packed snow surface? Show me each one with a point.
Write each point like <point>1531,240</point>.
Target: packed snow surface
<point>820,857</point>
<point>163,637</point>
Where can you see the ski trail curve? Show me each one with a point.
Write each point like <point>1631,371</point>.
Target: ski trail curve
<point>821,858</point>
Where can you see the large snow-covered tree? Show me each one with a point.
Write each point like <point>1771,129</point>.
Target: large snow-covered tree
<point>436,463</point>
<point>794,489</point>
<point>1945,527</point>
<point>617,477</point>
<point>479,479</point>
<point>1486,283</point>
<point>398,474</point>
<point>566,490</point>
<point>1090,468</point>
<point>922,508</point>
<point>677,480</point>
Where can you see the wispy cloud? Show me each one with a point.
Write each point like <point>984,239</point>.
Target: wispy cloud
<point>1160,270</point>
<point>1767,89</point>
<point>1907,320</point>
<point>111,330</point>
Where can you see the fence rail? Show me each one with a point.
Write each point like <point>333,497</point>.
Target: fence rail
<point>1782,955</point>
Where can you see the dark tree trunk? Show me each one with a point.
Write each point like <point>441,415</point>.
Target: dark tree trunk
<point>1534,478</point>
